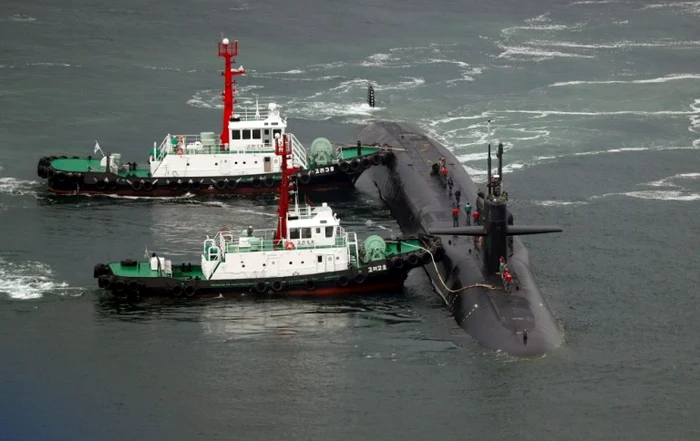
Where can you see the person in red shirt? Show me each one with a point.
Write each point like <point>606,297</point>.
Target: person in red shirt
<point>476,217</point>
<point>507,279</point>
<point>455,217</point>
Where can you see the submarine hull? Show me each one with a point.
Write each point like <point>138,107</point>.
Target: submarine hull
<point>518,323</point>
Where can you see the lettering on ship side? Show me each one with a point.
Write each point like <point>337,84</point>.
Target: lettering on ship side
<point>376,268</point>
<point>322,170</point>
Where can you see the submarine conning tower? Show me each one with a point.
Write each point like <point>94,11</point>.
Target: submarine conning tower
<point>495,227</point>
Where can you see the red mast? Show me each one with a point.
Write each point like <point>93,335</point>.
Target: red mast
<point>228,50</point>
<point>283,148</point>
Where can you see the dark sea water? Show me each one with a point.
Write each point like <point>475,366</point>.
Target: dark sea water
<point>597,103</point>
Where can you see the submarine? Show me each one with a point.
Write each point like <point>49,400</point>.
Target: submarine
<point>510,318</point>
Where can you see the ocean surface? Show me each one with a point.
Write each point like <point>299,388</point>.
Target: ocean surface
<point>596,102</point>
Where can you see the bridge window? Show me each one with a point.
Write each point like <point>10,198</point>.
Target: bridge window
<point>319,259</point>
<point>246,133</point>
<point>318,230</point>
<point>306,233</point>
<point>329,231</point>
<point>235,134</point>
<point>267,131</point>
<point>256,134</point>
<point>294,233</point>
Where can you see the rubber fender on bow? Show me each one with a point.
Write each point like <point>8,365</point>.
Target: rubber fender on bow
<point>305,178</point>
<point>342,281</point>
<point>177,290</point>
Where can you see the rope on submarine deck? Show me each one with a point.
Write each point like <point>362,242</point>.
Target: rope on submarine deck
<point>437,271</point>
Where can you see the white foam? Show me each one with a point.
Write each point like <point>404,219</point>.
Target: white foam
<point>686,7</point>
<point>660,195</point>
<point>558,203</point>
<point>21,18</point>
<point>672,44</point>
<point>524,53</point>
<point>30,280</point>
<point>17,187</point>
<point>664,79</point>
<point>668,181</point>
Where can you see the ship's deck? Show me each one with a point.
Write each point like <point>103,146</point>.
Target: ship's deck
<point>85,165</point>
<point>143,269</point>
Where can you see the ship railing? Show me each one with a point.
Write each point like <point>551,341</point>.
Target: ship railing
<point>353,248</point>
<point>263,240</point>
<point>193,145</point>
<point>298,152</point>
<point>247,110</point>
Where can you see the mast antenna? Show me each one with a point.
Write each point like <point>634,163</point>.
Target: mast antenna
<point>228,50</point>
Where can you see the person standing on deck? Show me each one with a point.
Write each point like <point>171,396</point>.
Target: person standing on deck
<point>507,279</point>
<point>468,210</point>
<point>455,216</point>
<point>458,195</point>
<point>501,265</point>
<point>476,217</point>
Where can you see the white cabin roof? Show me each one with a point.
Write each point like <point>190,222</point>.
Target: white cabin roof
<point>307,216</point>
<point>255,118</point>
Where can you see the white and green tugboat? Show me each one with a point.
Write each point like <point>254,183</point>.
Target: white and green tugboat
<point>309,253</point>
<point>239,160</point>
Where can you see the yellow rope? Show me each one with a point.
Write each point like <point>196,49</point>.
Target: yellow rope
<point>437,271</point>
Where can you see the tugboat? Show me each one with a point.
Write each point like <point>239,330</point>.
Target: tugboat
<point>309,253</point>
<point>241,160</point>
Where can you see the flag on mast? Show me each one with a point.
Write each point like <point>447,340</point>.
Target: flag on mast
<point>98,149</point>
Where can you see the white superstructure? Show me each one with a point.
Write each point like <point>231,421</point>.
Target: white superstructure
<point>251,149</point>
<point>314,243</point>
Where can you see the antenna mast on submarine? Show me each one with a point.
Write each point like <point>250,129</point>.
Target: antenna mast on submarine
<point>495,228</point>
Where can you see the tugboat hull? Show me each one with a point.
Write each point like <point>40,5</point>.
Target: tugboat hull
<point>130,279</point>
<point>82,182</point>
<point>519,323</point>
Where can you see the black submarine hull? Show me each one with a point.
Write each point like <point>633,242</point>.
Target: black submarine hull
<point>519,323</point>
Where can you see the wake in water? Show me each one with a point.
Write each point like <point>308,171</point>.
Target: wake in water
<point>31,280</point>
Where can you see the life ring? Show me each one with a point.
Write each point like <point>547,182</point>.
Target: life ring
<point>344,166</point>
<point>100,185</point>
<point>177,290</point>
<point>261,287</point>
<point>190,290</point>
<point>413,260</point>
<point>289,245</point>
<point>355,164</point>
<point>180,151</point>
<point>342,281</point>
<point>277,286</point>
<point>220,184</point>
<point>269,182</point>
<point>309,285</point>
<point>376,159</point>
<point>137,185</point>
<point>256,182</point>
<point>305,178</point>
<point>148,185</point>
<point>360,278</point>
